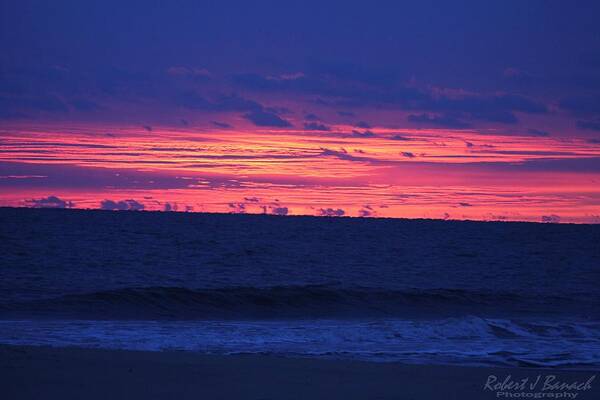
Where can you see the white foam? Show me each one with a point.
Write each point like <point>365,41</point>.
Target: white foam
<point>465,341</point>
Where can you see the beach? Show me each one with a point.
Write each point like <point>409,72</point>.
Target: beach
<point>75,373</point>
<point>285,200</point>
<point>149,305</point>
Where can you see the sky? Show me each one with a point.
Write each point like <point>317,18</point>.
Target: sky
<point>431,109</point>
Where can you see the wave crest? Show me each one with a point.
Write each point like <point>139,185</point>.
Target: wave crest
<point>309,301</point>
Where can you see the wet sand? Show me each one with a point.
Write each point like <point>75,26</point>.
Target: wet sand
<point>74,373</point>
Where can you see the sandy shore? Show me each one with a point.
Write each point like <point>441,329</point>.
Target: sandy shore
<point>71,373</point>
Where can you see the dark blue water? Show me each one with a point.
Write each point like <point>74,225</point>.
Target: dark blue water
<point>382,290</point>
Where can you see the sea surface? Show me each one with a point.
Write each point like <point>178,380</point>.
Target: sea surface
<point>415,291</point>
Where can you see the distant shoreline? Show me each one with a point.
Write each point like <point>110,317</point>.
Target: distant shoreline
<point>300,216</point>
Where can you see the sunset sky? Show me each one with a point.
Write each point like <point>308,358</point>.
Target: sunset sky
<point>450,110</point>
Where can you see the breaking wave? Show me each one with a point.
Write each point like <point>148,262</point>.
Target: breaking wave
<point>467,340</point>
<point>308,301</point>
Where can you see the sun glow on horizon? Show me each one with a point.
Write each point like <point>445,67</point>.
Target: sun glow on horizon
<point>367,172</point>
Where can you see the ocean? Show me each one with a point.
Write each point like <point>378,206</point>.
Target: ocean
<point>413,291</point>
